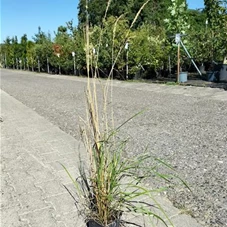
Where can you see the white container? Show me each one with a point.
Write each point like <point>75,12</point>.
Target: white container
<point>183,77</point>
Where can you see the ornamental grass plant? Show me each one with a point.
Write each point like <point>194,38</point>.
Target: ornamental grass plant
<point>109,184</point>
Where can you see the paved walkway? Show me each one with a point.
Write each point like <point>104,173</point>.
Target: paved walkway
<point>32,178</point>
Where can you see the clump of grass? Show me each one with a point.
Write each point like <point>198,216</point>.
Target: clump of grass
<point>110,185</point>
<point>114,185</point>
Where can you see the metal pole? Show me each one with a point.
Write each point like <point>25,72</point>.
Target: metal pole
<point>5,61</point>
<point>32,64</point>
<point>20,61</point>
<point>169,66</point>
<point>127,64</point>
<point>27,63</point>
<point>74,64</point>
<point>191,58</point>
<point>48,69</point>
<point>178,63</point>
<point>17,63</point>
<point>38,65</point>
<point>59,69</point>
<point>1,61</point>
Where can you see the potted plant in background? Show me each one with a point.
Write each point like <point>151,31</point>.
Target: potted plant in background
<point>109,184</point>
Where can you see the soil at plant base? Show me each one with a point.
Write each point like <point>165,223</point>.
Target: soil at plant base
<point>92,223</point>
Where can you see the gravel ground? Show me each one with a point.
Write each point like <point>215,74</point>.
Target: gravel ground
<point>187,126</point>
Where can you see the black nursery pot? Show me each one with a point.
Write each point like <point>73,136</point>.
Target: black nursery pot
<point>92,223</point>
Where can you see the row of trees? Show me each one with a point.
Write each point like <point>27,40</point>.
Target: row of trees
<point>42,54</point>
<point>150,46</point>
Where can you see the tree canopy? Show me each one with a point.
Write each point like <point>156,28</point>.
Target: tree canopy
<point>151,47</point>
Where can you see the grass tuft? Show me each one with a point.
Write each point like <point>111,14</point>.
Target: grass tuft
<point>111,185</point>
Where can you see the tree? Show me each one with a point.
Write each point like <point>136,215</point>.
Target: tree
<point>43,49</point>
<point>148,50</point>
<point>78,44</point>
<point>31,55</point>
<point>177,19</point>
<point>63,57</point>
<point>153,13</point>
<point>199,44</point>
<point>15,52</point>
<point>105,50</point>
<point>7,52</point>
<point>39,37</point>
<point>216,12</point>
<point>23,48</point>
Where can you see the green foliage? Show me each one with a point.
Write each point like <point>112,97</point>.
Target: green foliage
<point>149,42</point>
<point>177,19</point>
<point>153,13</point>
<point>31,55</point>
<point>198,36</point>
<point>114,31</point>
<point>147,47</point>
<point>216,12</point>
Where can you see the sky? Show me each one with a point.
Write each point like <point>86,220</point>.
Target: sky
<point>25,16</point>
